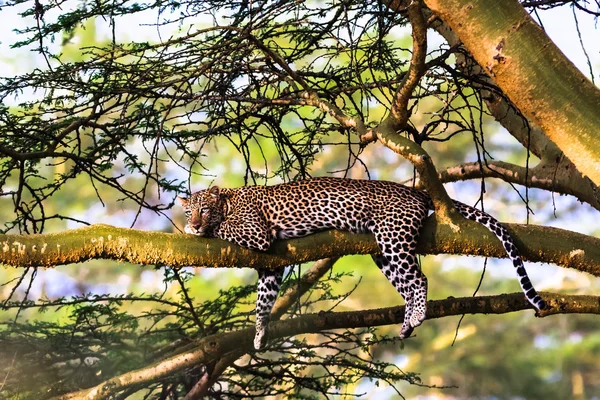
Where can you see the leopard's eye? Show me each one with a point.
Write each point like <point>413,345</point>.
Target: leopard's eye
<point>188,212</point>
<point>204,210</point>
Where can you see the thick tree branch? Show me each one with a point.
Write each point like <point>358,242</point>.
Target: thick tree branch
<point>417,65</point>
<point>428,175</point>
<point>543,176</point>
<point>388,131</point>
<point>524,63</point>
<point>555,172</point>
<point>397,119</point>
<point>536,243</point>
<point>215,346</point>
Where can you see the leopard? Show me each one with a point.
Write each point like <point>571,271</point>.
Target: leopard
<point>255,216</point>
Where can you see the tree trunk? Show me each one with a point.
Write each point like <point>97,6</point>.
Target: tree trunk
<point>533,72</point>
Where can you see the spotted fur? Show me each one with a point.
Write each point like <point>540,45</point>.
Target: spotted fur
<point>253,217</point>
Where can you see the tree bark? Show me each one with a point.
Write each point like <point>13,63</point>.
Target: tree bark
<point>532,72</point>
<point>554,172</point>
<point>536,243</point>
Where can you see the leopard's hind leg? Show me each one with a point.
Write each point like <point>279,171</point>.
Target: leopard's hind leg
<point>391,273</point>
<point>269,283</point>
<point>397,234</point>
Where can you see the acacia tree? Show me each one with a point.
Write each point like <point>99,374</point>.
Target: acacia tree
<point>297,89</point>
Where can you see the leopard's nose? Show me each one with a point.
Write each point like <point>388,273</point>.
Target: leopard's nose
<point>196,226</point>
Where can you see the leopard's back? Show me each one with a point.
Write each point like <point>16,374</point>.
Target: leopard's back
<point>300,208</point>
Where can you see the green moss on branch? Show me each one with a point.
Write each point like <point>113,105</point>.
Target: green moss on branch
<point>537,243</point>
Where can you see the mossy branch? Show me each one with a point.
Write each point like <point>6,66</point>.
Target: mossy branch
<point>215,346</point>
<point>536,243</point>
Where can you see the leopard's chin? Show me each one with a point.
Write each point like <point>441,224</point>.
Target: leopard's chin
<point>204,231</point>
<point>193,231</point>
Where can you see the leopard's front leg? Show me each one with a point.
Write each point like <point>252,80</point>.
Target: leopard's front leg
<point>269,283</point>
<point>248,230</point>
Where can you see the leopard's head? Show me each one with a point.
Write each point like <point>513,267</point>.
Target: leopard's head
<point>204,211</point>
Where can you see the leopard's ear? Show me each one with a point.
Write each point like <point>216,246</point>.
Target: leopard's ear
<point>214,192</point>
<point>184,201</point>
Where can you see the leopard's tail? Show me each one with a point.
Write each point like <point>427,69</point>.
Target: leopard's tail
<point>501,233</point>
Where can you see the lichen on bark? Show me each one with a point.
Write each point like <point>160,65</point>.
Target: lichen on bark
<point>536,243</point>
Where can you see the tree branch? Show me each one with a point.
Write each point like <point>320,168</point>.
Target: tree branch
<point>417,64</point>
<point>555,172</point>
<point>543,176</point>
<point>536,243</point>
<point>310,96</point>
<point>283,303</point>
<point>387,132</point>
<point>508,44</point>
<point>428,175</point>
<point>397,119</point>
<point>215,346</point>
